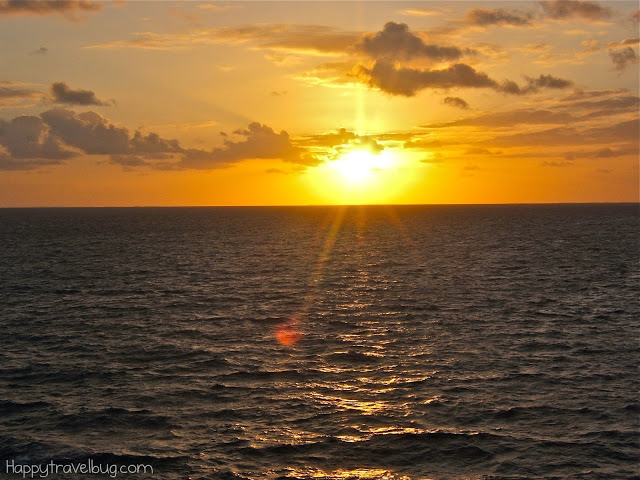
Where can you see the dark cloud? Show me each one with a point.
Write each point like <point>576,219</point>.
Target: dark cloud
<point>408,81</point>
<point>260,142</point>
<point>528,116</point>
<point>61,93</point>
<point>59,134</point>
<point>9,163</point>
<point>623,57</point>
<point>88,131</point>
<point>396,42</point>
<point>534,85</point>
<point>549,81</point>
<point>40,51</point>
<point>48,7</point>
<point>456,102</point>
<point>568,9</point>
<point>28,137</point>
<point>484,17</point>
<point>128,161</point>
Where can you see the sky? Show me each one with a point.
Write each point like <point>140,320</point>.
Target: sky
<point>300,103</point>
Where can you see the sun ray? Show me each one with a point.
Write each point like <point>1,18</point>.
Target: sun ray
<point>287,333</point>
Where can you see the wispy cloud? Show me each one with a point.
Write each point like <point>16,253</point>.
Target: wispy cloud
<point>575,9</point>
<point>484,17</point>
<point>69,8</point>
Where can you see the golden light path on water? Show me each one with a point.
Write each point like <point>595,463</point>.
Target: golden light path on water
<point>359,473</point>
<point>289,332</point>
<point>374,384</point>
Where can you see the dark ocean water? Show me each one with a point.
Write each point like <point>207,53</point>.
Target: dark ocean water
<point>458,342</point>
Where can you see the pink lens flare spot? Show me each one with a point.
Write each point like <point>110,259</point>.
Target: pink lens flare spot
<point>287,333</point>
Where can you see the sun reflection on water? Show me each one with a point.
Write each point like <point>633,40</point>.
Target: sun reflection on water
<point>343,474</point>
<point>366,407</point>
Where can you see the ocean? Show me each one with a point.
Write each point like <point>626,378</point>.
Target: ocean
<point>376,342</point>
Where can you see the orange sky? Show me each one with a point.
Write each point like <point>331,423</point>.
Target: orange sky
<point>285,103</point>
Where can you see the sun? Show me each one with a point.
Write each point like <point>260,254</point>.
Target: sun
<point>360,176</point>
<point>358,166</point>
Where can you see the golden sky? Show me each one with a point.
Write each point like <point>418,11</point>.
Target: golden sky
<point>296,103</point>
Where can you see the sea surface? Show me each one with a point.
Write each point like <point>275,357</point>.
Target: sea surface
<point>405,342</point>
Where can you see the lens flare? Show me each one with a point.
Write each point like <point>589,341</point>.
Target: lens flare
<point>287,333</point>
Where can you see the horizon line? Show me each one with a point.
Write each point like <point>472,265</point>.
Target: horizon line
<point>636,202</point>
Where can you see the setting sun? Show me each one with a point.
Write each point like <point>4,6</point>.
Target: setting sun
<point>358,166</point>
<point>359,176</point>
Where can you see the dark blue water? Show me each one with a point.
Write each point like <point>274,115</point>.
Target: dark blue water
<point>425,342</point>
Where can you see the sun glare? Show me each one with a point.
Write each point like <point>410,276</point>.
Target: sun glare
<point>358,166</point>
<point>362,177</point>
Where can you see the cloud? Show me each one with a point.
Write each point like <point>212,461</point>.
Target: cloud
<point>422,12</point>
<point>343,139</point>
<point>603,153</point>
<point>216,8</point>
<point>624,43</point>
<point>59,134</point>
<point>40,51</point>
<point>28,137</point>
<point>581,95</point>
<point>556,164</point>
<point>592,45</point>
<point>622,58</point>
<point>88,131</point>
<point>480,151</point>
<point>625,132</point>
<point>260,142</point>
<point>570,9</point>
<point>61,93</point>
<point>612,153</point>
<point>483,17</point>
<point>527,116</point>
<point>548,81</point>
<point>408,81</point>
<point>7,163</point>
<point>14,90</point>
<point>615,105</point>
<point>396,42</point>
<point>308,39</point>
<point>13,94</point>
<point>456,102</point>
<point>48,7</point>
